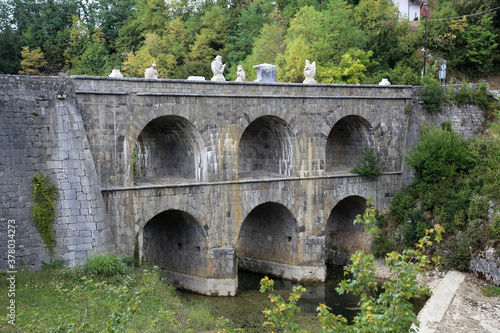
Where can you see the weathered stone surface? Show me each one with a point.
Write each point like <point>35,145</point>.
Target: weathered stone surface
<point>42,131</point>
<point>486,265</point>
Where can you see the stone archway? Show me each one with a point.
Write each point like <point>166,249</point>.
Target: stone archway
<point>344,143</point>
<point>168,148</point>
<point>343,237</point>
<point>269,233</point>
<point>174,241</point>
<point>266,148</point>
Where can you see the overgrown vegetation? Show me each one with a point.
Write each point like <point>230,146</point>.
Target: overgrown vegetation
<point>43,212</point>
<point>367,163</point>
<point>456,184</point>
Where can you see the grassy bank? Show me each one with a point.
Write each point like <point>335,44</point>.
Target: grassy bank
<point>105,295</point>
<point>71,300</point>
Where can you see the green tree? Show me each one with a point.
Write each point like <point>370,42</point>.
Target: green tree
<point>33,62</point>
<point>352,67</point>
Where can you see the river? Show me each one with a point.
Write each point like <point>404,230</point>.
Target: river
<point>245,309</point>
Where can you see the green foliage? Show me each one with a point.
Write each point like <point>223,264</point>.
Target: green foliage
<point>368,164</point>
<point>43,212</point>
<point>281,315</point>
<point>415,228</point>
<point>68,300</point>
<point>481,96</point>
<point>391,311</point>
<point>401,204</point>
<point>52,264</point>
<point>455,253</point>
<point>104,264</point>
<point>381,245</point>
<point>33,62</point>
<point>432,93</point>
<point>495,226</point>
<point>465,94</point>
<point>440,155</point>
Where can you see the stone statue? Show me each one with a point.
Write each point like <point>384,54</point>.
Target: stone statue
<point>218,69</point>
<point>309,72</point>
<point>151,72</point>
<point>241,73</point>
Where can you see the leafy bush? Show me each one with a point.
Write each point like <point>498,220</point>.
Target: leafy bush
<point>401,204</point>
<point>414,229</point>
<point>104,264</point>
<point>368,164</point>
<point>455,253</point>
<point>381,245</point>
<point>440,155</point>
<point>481,97</point>
<point>495,226</point>
<point>432,93</point>
<point>465,94</point>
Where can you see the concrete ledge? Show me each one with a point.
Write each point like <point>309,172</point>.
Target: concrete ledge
<point>204,286</point>
<point>285,271</point>
<point>433,311</point>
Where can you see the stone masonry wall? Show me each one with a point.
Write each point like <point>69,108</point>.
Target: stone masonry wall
<point>41,131</point>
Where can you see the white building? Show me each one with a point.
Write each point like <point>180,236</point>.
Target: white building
<point>409,8</point>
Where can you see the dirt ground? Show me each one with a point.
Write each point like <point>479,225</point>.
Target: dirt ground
<point>470,311</point>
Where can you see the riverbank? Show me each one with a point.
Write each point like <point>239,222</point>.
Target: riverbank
<point>466,309</point>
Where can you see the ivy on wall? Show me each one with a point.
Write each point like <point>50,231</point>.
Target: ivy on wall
<point>43,212</point>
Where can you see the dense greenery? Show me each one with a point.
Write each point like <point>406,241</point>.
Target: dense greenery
<point>43,212</point>
<point>456,184</point>
<point>351,41</point>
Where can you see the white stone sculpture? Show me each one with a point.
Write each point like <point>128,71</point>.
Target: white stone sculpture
<point>384,82</point>
<point>151,72</point>
<point>241,73</point>
<point>218,69</point>
<point>116,73</point>
<point>309,72</point>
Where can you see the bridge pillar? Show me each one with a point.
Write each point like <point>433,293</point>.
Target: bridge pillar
<point>221,277</point>
<point>310,265</point>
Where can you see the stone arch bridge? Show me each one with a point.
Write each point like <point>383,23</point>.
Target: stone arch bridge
<point>207,176</point>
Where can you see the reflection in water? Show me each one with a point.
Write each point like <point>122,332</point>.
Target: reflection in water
<point>245,309</point>
<point>345,304</point>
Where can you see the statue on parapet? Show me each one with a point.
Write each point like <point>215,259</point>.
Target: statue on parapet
<point>218,69</point>
<point>309,72</point>
<point>241,74</point>
<point>151,72</point>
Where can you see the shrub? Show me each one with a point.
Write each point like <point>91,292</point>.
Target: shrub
<point>381,245</point>
<point>368,164</point>
<point>481,98</point>
<point>432,93</point>
<point>401,204</point>
<point>104,264</point>
<point>439,155</point>
<point>455,253</point>
<point>465,94</point>
<point>415,228</point>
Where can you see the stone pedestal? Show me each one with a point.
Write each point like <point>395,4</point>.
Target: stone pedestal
<point>266,73</point>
